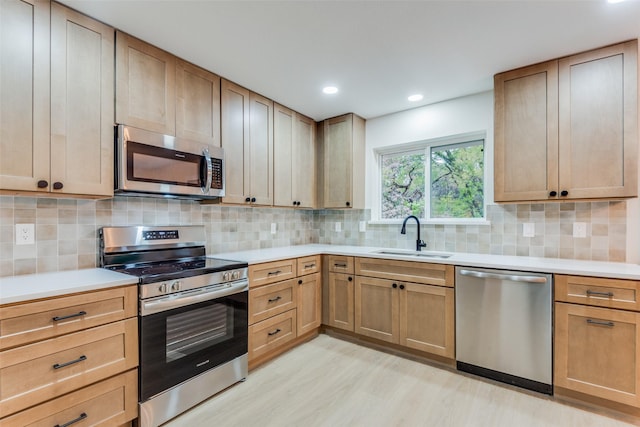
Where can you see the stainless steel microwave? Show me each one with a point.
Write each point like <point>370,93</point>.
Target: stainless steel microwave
<point>148,163</point>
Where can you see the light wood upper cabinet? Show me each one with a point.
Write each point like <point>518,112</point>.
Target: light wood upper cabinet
<point>294,178</point>
<point>341,151</point>
<point>82,88</point>
<point>197,104</point>
<point>567,129</point>
<point>145,85</point>
<point>247,140</point>
<point>24,99</point>
<point>56,103</point>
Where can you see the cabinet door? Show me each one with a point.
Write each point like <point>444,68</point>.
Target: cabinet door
<point>337,148</point>
<point>598,122</point>
<point>427,319</point>
<point>24,97</point>
<point>82,90</point>
<point>197,104</point>
<point>597,352</point>
<point>145,86</point>
<point>303,155</point>
<point>309,305</point>
<point>284,123</point>
<point>260,159</point>
<point>235,140</point>
<point>377,308</point>
<point>341,301</point>
<point>526,133</point>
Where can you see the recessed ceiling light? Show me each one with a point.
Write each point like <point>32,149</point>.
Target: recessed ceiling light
<point>415,98</point>
<point>330,90</point>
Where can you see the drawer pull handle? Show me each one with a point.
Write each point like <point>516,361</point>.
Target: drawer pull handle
<point>274,332</point>
<point>275,299</point>
<point>309,265</point>
<point>274,273</point>
<point>600,323</point>
<point>340,265</point>
<point>78,314</point>
<point>67,424</point>
<point>600,294</point>
<point>73,362</point>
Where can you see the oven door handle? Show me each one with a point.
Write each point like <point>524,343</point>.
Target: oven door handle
<point>171,302</point>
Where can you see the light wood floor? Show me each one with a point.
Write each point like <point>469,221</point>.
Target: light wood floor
<point>331,382</point>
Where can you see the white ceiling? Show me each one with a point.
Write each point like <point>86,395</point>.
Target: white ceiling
<point>376,52</point>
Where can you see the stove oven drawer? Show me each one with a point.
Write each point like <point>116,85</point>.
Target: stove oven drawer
<point>34,321</point>
<point>109,402</point>
<point>37,372</point>
<point>271,333</point>
<point>267,301</point>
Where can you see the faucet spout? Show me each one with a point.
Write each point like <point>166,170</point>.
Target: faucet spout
<point>419,242</point>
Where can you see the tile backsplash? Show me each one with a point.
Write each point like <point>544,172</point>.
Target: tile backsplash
<point>66,229</point>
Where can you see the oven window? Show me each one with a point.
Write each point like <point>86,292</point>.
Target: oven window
<point>195,330</point>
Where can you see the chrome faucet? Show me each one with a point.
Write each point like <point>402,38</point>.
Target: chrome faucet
<point>419,243</point>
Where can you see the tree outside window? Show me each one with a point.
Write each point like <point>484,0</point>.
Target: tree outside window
<point>455,188</point>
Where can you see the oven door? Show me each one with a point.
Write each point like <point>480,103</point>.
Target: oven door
<point>180,343</point>
<point>160,164</point>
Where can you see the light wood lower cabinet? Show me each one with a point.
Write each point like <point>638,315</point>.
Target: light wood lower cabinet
<point>111,402</point>
<point>341,301</point>
<point>309,303</point>
<point>377,308</point>
<point>597,352</point>
<point>272,333</point>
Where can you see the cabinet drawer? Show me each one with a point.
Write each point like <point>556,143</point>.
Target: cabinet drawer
<point>612,293</point>
<point>340,264</point>
<point>37,372</point>
<point>406,271</point>
<point>271,272</point>
<point>269,300</point>
<point>107,403</point>
<point>597,352</point>
<point>33,321</point>
<point>308,265</point>
<point>271,333</point>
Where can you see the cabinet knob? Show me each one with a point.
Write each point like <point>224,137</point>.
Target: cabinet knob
<point>395,285</point>
<point>57,186</point>
<point>553,193</point>
<point>43,184</point>
<point>350,279</point>
<point>295,203</point>
<point>253,200</point>
<point>564,193</point>
<point>248,199</point>
<point>348,204</point>
<point>401,286</point>
<point>299,282</point>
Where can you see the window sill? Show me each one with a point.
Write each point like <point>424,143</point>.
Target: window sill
<point>439,221</point>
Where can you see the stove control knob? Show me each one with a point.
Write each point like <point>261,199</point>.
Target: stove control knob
<point>226,276</point>
<point>162,288</point>
<point>175,286</point>
<point>235,275</point>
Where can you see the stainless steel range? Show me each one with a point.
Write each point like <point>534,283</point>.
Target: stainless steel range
<point>193,315</point>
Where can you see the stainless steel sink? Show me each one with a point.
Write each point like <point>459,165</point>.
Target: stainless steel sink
<point>422,254</point>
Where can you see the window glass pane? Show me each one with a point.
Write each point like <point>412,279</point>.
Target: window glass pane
<point>403,185</point>
<point>457,184</point>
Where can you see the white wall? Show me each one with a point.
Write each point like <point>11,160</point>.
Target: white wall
<point>471,113</point>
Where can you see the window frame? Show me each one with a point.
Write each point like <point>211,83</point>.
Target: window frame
<point>426,146</point>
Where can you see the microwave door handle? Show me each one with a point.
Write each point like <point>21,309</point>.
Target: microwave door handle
<point>207,158</point>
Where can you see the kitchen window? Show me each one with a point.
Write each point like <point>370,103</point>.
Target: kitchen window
<point>441,180</point>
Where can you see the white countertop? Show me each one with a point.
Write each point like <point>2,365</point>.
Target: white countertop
<point>546,265</point>
<point>44,285</point>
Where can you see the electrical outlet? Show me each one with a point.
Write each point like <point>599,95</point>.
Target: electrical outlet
<point>338,226</point>
<point>274,228</point>
<point>528,229</point>
<point>25,234</point>
<point>579,229</point>
<point>363,226</point>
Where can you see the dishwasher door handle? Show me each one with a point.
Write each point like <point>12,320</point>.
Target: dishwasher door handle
<point>512,277</point>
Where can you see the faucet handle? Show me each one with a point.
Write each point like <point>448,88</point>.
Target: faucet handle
<point>421,244</point>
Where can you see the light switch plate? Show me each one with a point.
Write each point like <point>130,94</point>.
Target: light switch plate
<point>579,229</point>
<point>363,226</point>
<point>25,234</point>
<point>338,226</point>
<point>274,228</point>
<point>528,229</point>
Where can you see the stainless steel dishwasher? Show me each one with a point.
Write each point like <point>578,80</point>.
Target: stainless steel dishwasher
<point>504,326</point>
